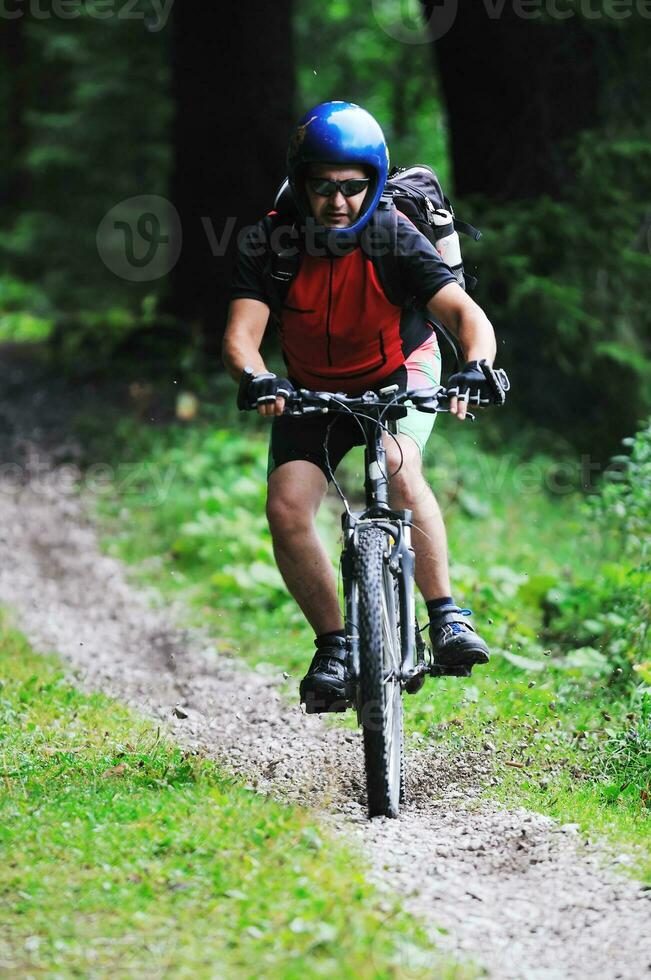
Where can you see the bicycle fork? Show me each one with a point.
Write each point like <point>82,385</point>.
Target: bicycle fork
<point>401,563</point>
<point>400,560</point>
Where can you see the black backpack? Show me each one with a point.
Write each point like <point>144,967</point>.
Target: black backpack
<point>414,191</point>
<point>417,193</point>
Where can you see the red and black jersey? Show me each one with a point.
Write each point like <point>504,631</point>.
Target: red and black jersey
<point>337,327</point>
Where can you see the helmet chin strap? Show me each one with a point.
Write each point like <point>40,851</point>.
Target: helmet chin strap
<point>321,241</point>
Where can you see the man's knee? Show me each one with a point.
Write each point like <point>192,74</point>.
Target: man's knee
<point>288,513</point>
<point>408,485</point>
<point>294,493</point>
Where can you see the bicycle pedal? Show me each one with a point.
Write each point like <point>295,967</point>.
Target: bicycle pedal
<point>317,706</point>
<point>451,670</point>
<point>414,685</point>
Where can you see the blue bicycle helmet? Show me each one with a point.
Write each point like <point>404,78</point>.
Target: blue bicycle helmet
<point>338,132</point>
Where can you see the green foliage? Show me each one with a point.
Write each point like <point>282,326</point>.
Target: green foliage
<point>623,508</point>
<point>119,340</point>
<point>610,611</point>
<point>568,283</point>
<point>96,116</point>
<point>227,530</point>
<point>25,313</point>
<point>626,760</point>
<point>124,855</point>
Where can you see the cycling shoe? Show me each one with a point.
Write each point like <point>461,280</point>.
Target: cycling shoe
<point>325,686</point>
<point>456,646</point>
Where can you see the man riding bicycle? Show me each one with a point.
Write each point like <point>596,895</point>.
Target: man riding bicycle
<point>340,332</point>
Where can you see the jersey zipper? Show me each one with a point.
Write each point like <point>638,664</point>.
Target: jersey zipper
<point>328,338</point>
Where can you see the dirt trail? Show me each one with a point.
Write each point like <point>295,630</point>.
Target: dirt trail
<point>517,894</point>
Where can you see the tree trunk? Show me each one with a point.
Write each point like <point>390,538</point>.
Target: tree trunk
<point>13,94</point>
<point>233,80</point>
<point>516,89</point>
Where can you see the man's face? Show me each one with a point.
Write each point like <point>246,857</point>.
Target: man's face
<point>335,211</point>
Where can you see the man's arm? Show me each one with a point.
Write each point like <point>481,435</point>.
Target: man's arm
<point>247,319</point>
<point>469,324</point>
<point>467,321</point>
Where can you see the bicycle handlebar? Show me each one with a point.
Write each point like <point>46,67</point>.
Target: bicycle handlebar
<point>305,402</point>
<point>432,400</point>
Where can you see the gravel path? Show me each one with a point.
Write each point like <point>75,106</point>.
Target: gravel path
<point>516,893</point>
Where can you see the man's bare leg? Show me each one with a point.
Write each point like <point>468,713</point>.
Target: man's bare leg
<point>455,642</point>
<point>409,489</point>
<point>295,492</point>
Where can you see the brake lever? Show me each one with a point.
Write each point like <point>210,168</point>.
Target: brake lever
<point>429,396</point>
<point>296,406</point>
<point>431,407</point>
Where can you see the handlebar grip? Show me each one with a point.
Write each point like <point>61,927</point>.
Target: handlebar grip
<point>245,380</point>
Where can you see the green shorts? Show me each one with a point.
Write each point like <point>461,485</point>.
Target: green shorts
<point>423,371</point>
<point>304,438</point>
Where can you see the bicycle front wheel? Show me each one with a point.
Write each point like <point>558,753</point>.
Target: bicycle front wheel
<point>379,693</point>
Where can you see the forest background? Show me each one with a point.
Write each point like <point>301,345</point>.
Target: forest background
<point>138,140</point>
<point>537,119</point>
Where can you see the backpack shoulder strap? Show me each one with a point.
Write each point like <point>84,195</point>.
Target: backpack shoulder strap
<point>381,246</point>
<point>281,267</point>
<point>388,270</point>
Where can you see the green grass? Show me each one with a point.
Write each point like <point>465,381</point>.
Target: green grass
<point>124,855</point>
<point>559,608</point>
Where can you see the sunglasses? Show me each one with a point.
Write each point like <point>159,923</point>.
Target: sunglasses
<point>349,188</point>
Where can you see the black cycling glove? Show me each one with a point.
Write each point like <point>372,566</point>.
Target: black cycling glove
<point>478,384</point>
<point>263,389</point>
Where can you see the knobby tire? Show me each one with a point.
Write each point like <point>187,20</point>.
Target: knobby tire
<point>379,693</point>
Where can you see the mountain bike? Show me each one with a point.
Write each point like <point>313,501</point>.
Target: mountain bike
<point>386,652</point>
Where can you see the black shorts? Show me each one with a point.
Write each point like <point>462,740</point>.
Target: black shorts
<point>305,438</point>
